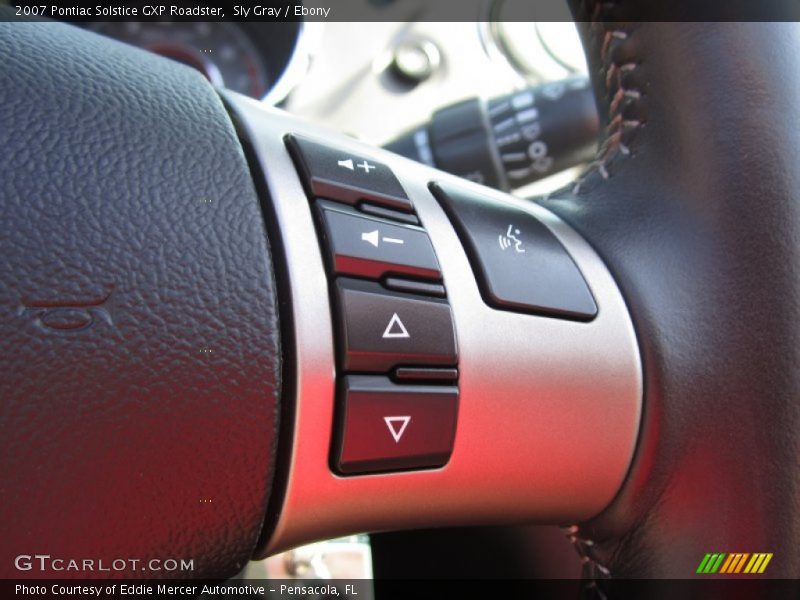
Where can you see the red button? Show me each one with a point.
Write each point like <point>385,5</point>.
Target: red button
<point>389,427</point>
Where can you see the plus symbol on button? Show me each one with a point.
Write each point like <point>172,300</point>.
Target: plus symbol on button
<point>366,166</point>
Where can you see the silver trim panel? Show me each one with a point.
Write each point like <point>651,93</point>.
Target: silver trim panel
<point>549,409</point>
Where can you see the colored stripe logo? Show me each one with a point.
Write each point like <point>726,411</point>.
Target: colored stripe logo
<point>734,563</point>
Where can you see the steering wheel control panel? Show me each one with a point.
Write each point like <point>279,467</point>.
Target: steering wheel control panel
<point>441,330</point>
<point>396,343</point>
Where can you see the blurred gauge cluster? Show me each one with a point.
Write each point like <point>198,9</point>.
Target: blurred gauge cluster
<point>254,59</point>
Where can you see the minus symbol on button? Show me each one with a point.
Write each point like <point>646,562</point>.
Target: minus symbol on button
<point>389,240</point>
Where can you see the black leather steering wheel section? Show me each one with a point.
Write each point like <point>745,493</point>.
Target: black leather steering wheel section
<point>139,338</point>
<point>693,202</point>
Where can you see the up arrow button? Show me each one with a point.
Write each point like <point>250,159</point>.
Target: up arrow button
<point>395,328</point>
<point>382,329</point>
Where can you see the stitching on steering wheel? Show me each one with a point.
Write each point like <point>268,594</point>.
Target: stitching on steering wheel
<point>621,96</point>
<point>621,99</point>
<point>593,571</point>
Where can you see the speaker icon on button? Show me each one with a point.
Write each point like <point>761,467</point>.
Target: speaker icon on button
<point>373,237</point>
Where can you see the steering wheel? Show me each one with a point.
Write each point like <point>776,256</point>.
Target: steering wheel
<point>187,367</point>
